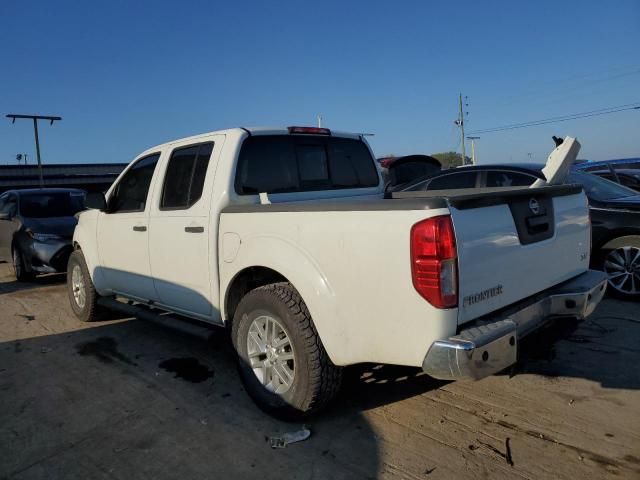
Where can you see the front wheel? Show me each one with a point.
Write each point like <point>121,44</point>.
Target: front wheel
<point>622,265</point>
<point>82,294</point>
<point>19,266</point>
<point>282,361</point>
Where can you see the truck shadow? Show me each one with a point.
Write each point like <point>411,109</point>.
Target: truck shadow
<point>131,396</point>
<point>601,348</point>
<point>38,282</point>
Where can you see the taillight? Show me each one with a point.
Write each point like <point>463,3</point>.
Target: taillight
<point>310,130</point>
<point>434,266</point>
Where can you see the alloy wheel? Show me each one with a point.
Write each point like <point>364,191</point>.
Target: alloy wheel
<point>271,354</point>
<point>622,265</point>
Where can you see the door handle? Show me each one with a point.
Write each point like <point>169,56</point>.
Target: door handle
<point>194,229</point>
<point>139,228</point>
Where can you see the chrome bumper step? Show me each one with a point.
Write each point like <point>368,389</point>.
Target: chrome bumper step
<point>491,344</point>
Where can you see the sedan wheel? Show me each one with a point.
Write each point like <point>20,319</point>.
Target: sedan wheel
<point>622,265</point>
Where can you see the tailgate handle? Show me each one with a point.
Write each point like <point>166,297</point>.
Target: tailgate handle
<point>194,229</point>
<point>538,224</point>
<point>139,228</point>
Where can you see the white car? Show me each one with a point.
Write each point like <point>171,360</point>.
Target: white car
<point>277,234</point>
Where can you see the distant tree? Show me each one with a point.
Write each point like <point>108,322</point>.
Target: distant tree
<point>450,159</point>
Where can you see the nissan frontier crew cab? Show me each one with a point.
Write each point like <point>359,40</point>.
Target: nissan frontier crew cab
<point>284,235</point>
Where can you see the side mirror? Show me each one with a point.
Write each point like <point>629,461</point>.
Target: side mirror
<point>5,216</point>
<point>96,201</point>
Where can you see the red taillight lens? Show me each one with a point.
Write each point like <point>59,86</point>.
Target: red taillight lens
<point>310,130</point>
<point>434,267</point>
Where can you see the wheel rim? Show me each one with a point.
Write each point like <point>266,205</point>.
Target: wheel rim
<point>78,287</point>
<point>271,354</point>
<point>622,265</point>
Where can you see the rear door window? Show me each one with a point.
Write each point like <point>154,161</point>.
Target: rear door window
<point>505,178</point>
<point>453,181</point>
<point>184,177</point>
<point>130,194</point>
<point>283,163</point>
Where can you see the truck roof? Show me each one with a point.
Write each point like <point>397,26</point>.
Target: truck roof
<point>250,131</point>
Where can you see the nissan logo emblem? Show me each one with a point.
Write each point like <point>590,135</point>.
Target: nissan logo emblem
<point>534,206</point>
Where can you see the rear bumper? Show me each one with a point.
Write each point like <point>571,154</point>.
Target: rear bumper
<point>491,344</point>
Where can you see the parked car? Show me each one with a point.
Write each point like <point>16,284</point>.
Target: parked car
<point>625,163</point>
<point>401,170</point>
<point>628,177</point>
<point>36,227</point>
<point>475,176</point>
<point>276,234</point>
<point>614,210</point>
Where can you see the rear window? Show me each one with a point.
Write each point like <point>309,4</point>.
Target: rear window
<point>280,164</point>
<point>49,205</point>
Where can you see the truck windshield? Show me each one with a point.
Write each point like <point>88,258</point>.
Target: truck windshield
<point>49,205</point>
<point>288,163</point>
<point>599,188</point>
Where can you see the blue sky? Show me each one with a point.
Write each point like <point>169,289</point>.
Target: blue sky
<point>127,75</point>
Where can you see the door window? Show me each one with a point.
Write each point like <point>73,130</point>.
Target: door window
<point>506,178</point>
<point>130,195</point>
<point>453,181</point>
<point>184,178</point>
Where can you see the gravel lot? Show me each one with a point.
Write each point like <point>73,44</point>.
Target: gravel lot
<point>126,398</point>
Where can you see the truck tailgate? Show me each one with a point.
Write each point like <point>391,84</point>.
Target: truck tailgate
<point>516,243</point>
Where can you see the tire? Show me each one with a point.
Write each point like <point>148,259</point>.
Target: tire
<point>622,265</point>
<point>313,379</point>
<point>82,294</point>
<point>19,266</point>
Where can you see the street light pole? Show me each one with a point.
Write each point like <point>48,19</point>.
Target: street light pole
<point>473,149</point>
<point>35,119</point>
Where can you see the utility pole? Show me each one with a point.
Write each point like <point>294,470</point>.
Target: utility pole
<point>35,119</point>
<point>473,149</point>
<point>460,123</point>
<point>319,121</point>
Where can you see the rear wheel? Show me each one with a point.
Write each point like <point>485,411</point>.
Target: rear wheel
<point>622,265</point>
<point>19,266</point>
<point>82,294</point>
<point>282,361</point>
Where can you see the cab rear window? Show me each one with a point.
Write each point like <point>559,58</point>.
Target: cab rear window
<point>281,163</point>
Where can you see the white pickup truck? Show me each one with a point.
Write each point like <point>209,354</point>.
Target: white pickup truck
<point>284,235</point>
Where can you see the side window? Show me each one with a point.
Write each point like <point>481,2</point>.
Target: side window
<point>184,178</point>
<point>505,178</point>
<point>130,195</point>
<point>453,181</point>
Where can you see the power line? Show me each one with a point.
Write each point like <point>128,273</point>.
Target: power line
<point>562,118</point>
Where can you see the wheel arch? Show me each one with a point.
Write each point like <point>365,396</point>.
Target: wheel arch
<point>632,240</point>
<point>269,259</point>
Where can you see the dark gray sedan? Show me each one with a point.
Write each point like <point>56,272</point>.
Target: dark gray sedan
<point>36,229</point>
